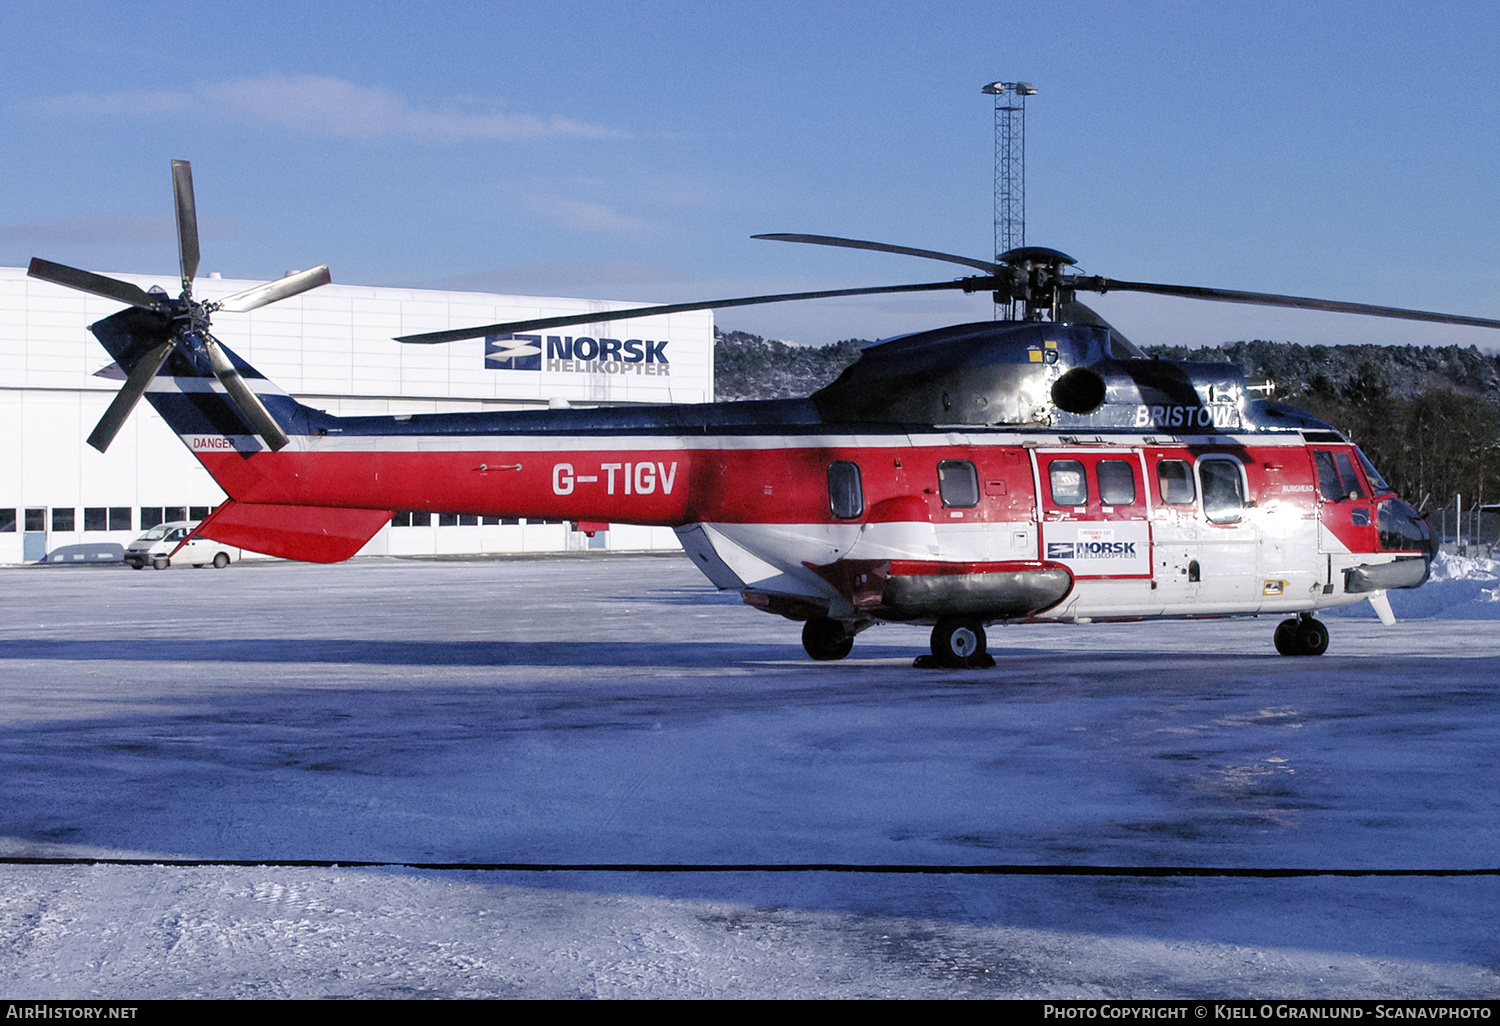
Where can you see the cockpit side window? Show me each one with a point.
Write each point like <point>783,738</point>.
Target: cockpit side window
<point>1352,486</point>
<point>1329,485</point>
<point>1337,480</point>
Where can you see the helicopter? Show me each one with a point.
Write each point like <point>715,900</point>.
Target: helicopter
<point>1034,469</point>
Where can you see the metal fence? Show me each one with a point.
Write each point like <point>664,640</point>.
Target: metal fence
<point>1474,532</point>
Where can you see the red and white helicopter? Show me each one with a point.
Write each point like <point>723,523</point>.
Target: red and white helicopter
<point>1039,469</point>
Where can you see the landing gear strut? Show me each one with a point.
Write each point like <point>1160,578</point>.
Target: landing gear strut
<point>826,639</point>
<point>1301,636</point>
<point>957,643</point>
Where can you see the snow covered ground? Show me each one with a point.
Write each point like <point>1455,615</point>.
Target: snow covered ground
<point>608,709</point>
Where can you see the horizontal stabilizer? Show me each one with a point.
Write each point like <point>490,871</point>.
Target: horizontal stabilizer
<point>312,534</point>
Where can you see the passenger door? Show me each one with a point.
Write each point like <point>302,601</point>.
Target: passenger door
<point>1095,512</point>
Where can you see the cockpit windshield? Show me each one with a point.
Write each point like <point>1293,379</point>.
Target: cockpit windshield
<point>1376,481</point>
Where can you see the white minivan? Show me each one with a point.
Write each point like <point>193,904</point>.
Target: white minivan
<point>156,545</point>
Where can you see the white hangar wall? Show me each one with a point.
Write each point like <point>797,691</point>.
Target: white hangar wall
<point>331,348</point>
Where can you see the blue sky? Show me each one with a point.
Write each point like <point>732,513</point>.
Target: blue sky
<point>629,150</point>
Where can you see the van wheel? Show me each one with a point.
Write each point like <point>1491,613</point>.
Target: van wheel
<point>161,563</point>
<point>137,566</point>
<point>221,560</point>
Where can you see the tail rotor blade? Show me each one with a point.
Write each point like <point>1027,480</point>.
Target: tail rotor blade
<point>270,292</point>
<point>130,393</point>
<point>94,284</point>
<point>251,408</point>
<point>187,221</point>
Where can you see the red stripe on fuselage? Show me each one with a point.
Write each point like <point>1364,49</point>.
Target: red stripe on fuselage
<point>730,482</point>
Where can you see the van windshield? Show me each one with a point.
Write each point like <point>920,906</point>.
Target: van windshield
<point>155,534</point>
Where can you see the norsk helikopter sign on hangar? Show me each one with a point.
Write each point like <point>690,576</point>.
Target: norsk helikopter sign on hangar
<point>580,355</point>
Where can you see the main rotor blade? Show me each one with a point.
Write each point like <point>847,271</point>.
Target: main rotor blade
<point>509,327</point>
<point>271,291</point>
<point>883,247</point>
<point>129,394</point>
<point>94,284</point>
<point>187,221</point>
<point>1103,285</point>
<point>251,408</point>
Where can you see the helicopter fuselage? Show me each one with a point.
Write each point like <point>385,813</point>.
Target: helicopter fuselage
<point>1077,481</point>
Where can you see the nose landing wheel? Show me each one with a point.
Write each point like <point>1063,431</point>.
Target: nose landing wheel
<point>1302,636</point>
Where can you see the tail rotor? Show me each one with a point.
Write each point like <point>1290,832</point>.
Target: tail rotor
<point>187,322</point>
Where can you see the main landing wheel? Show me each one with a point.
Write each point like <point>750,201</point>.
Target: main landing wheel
<point>1301,637</point>
<point>958,642</point>
<point>826,639</point>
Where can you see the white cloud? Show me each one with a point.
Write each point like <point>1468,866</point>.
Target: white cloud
<point>324,107</point>
<point>577,213</point>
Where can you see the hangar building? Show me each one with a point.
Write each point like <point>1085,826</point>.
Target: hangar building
<point>331,348</point>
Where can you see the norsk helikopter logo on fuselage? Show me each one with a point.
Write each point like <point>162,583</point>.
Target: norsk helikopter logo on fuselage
<point>583,355</point>
<point>1091,550</point>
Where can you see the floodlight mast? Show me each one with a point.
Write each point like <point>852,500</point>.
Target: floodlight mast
<point>1010,166</point>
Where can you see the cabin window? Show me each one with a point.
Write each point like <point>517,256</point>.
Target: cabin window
<point>1070,486</point>
<point>846,497</point>
<point>1174,480</point>
<point>1223,489</point>
<point>1116,483</point>
<point>958,483</point>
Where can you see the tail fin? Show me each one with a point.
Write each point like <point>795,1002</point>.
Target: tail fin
<point>194,403</point>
